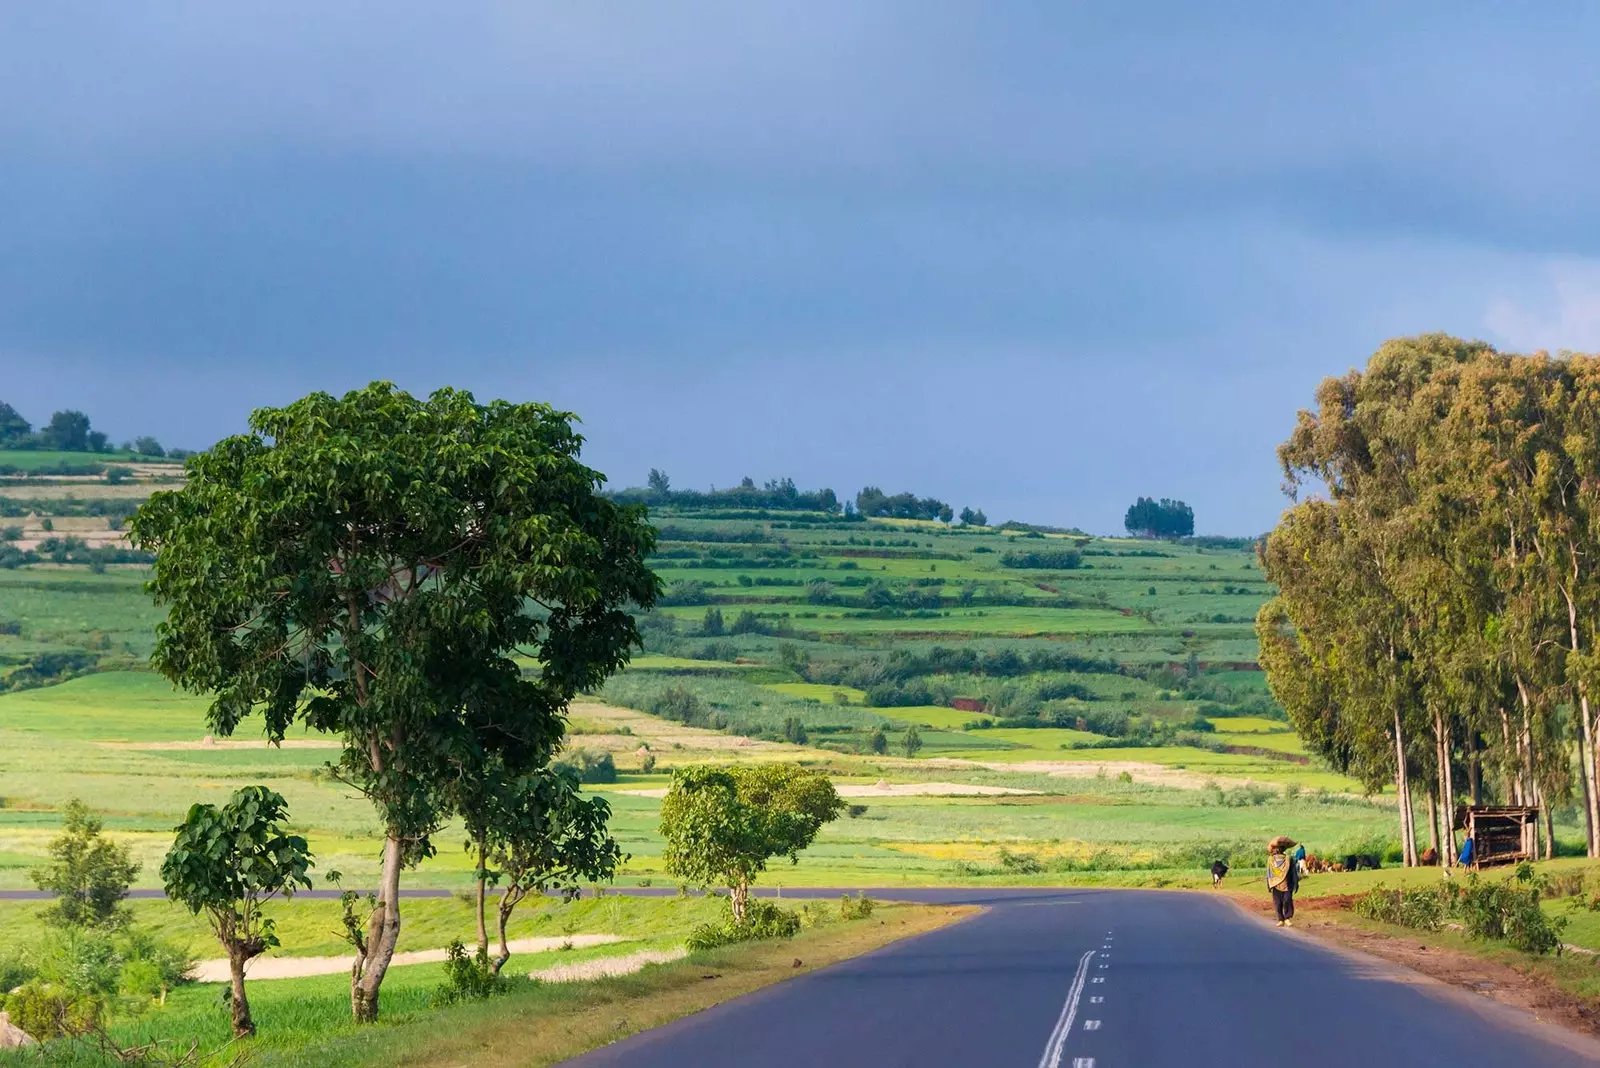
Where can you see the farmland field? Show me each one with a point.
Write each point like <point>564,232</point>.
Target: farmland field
<point>1121,693</point>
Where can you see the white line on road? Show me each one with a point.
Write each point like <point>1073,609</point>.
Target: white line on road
<point>1069,1012</point>
<point>1096,1000</point>
<point>1099,978</point>
<point>1091,1025</point>
<point>1083,1062</point>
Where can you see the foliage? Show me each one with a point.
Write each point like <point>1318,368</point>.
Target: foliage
<point>761,920</point>
<point>534,834</point>
<point>48,1010</point>
<point>858,907</point>
<point>872,501</point>
<point>911,741</point>
<point>88,873</point>
<point>467,977</point>
<point>1159,519</point>
<point>365,564</point>
<point>1043,559</point>
<point>778,494</point>
<point>722,825</point>
<point>1504,910</point>
<point>589,765</point>
<point>225,862</point>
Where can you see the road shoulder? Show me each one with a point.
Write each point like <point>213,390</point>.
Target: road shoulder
<point>1557,998</point>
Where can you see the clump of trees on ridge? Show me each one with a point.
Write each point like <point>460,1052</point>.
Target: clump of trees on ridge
<point>1150,518</point>
<point>69,431</point>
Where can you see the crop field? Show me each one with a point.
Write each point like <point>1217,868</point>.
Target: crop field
<point>1121,693</point>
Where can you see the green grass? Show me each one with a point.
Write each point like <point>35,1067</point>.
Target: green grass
<point>955,621</point>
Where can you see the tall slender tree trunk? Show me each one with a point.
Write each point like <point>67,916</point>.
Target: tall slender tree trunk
<point>483,886</point>
<point>1433,820</point>
<point>738,897</point>
<point>1591,795</point>
<point>1447,793</point>
<point>383,931</point>
<point>243,1025</point>
<point>1474,767</point>
<point>1402,782</point>
<point>1549,828</point>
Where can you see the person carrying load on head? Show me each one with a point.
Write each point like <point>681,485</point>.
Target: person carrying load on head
<point>1283,878</point>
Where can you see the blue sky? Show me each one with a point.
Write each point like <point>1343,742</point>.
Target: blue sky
<point>1039,258</point>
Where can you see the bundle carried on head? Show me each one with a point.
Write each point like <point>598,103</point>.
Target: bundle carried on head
<point>1280,843</point>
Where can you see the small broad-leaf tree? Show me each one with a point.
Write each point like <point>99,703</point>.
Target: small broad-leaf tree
<point>533,834</point>
<point>88,873</point>
<point>722,825</point>
<point>226,862</point>
<point>369,566</point>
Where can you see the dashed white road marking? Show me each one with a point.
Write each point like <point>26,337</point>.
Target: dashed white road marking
<point>1099,979</point>
<point>1091,1025</point>
<point>1083,1062</point>
<point>1096,1000</point>
<point>1069,1013</point>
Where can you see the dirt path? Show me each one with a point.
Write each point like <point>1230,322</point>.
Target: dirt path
<point>604,966</point>
<point>885,789</point>
<point>216,971</point>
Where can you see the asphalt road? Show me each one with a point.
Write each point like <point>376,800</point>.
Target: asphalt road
<point>1102,979</point>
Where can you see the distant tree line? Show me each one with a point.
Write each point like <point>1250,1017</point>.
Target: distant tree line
<point>779,494</point>
<point>1150,518</point>
<point>69,431</point>
<point>1043,559</point>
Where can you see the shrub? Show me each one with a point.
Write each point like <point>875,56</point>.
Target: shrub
<point>589,765</point>
<point>14,971</point>
<point>1510,910</point>
<point>466,978</point>
<point>88,874</point>
<point>1423,909</point>
<point>1019,863</point>
<point>855,908</point>
<point>647,763</point>
<point>794,731</point>
<point>49,1010</point>
<point>762,920</point>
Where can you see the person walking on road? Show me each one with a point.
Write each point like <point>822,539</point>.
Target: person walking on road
<point>1283,879</point>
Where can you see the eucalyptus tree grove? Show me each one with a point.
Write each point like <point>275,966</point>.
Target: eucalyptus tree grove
<point>369,566</point>
<point>1438,611</point>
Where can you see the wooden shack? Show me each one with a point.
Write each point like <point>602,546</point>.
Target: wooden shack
<point>1502,834</point>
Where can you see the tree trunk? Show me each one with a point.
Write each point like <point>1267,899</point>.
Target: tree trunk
<point>1433,820</point>
<point>739,894</point>
<point>383,931</point>
<point>1447,792</point>
<point>1549,827</point>
<point>1402,783</point>
<point>1591,795</point>
<point>483,928</point>
<point>1474,767</point>
<point>243,1025</point>
<point>509,898</point>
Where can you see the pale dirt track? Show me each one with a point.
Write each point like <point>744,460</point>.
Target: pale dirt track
<point>898,789</point>
<point>216,971</point>
<point>606,966</point>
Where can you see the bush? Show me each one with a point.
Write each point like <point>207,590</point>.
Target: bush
<point>762,920</point>
<point>1506,911</point>
<point>14,971</point>
<point>1423,909</point>
<point>466,978</point>
<point>49,1010</point>
<point>855,908</point>
<point>1020,863</point>
<point>590,765</point>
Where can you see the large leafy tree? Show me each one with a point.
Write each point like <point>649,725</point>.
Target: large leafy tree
<point>723,825</point>
<point>369,566</point>
<point>15,431</point>
<point>227,862</point>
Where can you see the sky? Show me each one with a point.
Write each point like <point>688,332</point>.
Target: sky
<point>1037,258</point>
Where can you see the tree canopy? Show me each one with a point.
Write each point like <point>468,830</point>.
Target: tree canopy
<point>1437,615</point>
<point>1150,518</point>
<point>723,825</point>
<point>226,862</point>
<point>369,566</point>
<point>88,873</point>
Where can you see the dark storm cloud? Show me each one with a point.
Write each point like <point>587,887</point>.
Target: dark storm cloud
<point>1038,257</point>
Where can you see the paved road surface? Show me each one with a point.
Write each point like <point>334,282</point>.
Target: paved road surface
<point>1101,979</point>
